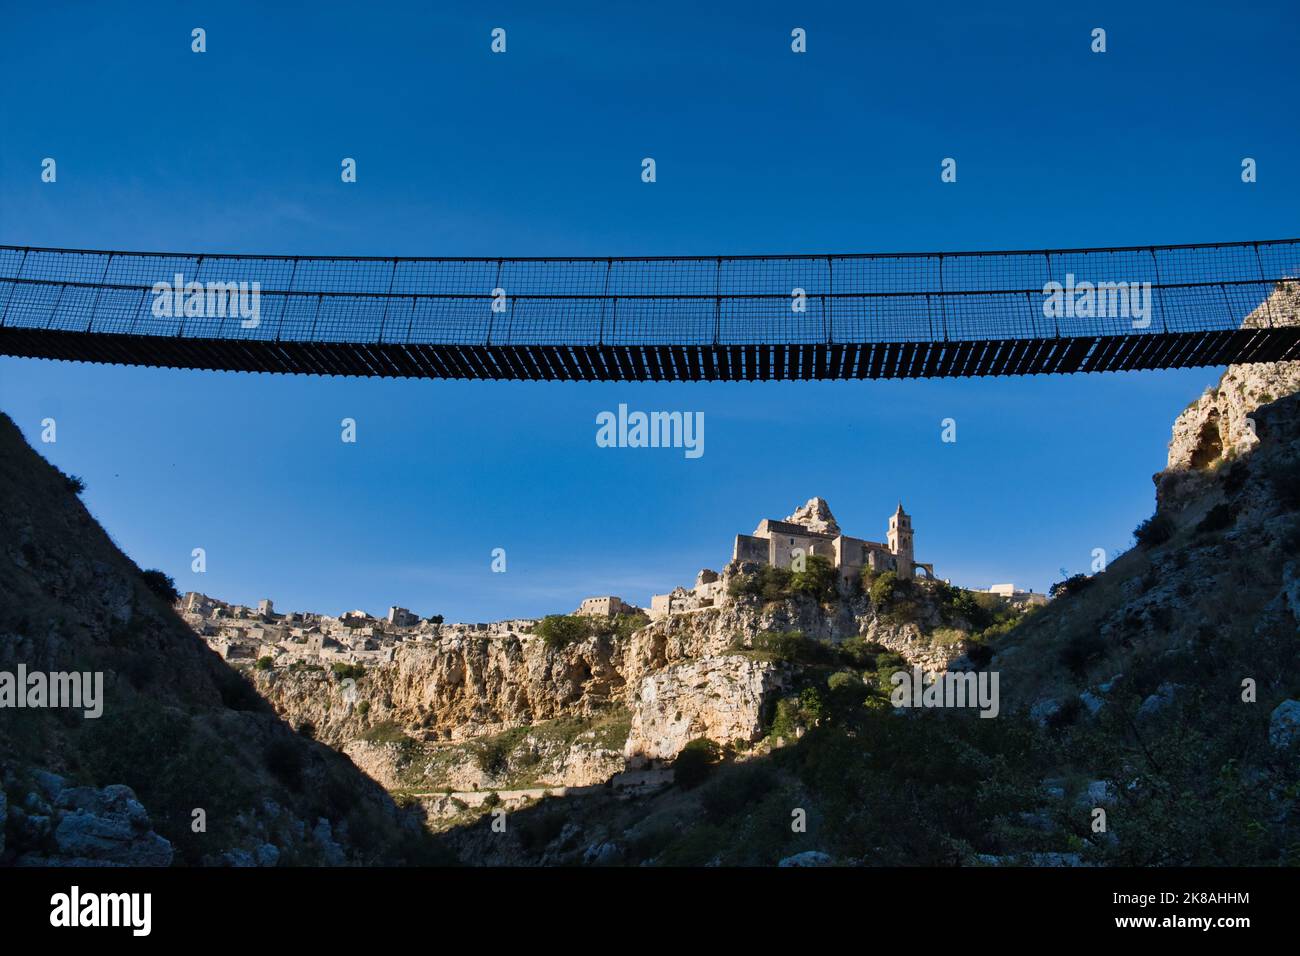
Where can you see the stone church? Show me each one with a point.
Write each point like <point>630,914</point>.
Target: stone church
<point>811,530</point>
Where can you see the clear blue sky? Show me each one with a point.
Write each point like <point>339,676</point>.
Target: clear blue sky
<point>538,152</point>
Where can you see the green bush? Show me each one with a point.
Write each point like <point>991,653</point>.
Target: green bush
<point>561,630</point>
<point>817,579</point>
<point>74,484</point>
<point>883,589</point>
<point>161,584</point>
<point>1071,585</point>
<point>264,663</point>
<point>860,653</point>
<point>793,647</point>
<point>692,766</point>
<point>1154,531</point>
<point>492,756</point>
<point>775,584</point>
<point>344,671</point>
<point>745,585</point>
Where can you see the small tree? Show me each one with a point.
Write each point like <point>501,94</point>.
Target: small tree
<point>884,589</point>
<point>161,584</point>
<point>1071,585</point>
<point>817,580</point>
<point>561,630</point>
<point>1154,531</point>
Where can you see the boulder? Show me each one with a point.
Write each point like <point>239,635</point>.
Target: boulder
<point>108,827</point>
<point>1284,724</point>
<point>1157,702</point>
<point>808,858</point>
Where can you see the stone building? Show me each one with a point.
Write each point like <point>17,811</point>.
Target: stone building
<point>811,530</point>
<point>605,606</point>
<point>401,617</point>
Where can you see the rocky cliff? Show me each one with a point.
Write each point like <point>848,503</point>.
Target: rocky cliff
<point>186,763</point>
<point>423,721</point>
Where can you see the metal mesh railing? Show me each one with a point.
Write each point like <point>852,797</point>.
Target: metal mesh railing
<point>722,300</point>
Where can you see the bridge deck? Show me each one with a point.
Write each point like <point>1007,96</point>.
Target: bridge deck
<point>904,315</point>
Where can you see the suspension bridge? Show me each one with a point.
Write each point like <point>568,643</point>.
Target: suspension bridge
<point>683,318</point>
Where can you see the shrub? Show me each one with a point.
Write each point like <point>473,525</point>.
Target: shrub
<point>620,626</point>
<point>884,589</point>
<point>264,663</point>
<point>692,766</point>
<point>1071,585</point>
<point>847,692</point>
<point>363,708</point>
<point>775,584</point>
<point>492,756</point>
<point>1218,518</point>
<point>1154,531</point>
<point>817,580</point>
<point>74,484</point>
<point>344,671</point>
<point>860,653</point>
<point>161,584</point>
<point>561,630</point>
<point>745,585</point>
<point>793,647</point>
<point>434,619</point>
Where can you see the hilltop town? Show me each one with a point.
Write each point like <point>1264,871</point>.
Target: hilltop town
<point>240,633</point>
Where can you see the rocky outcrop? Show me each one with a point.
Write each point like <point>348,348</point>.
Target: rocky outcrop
<point>59,825</point>
<point>815,515</point>
<point>457,688</point>
<point>1284,724</point>
<point>1222,424</point>
<point>464,688</point>
<point>721,698</point>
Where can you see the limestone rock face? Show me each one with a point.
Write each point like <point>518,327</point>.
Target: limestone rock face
<point>721,698</point>
<point>453,689</point>
<point>815,515</point>
<point>1221,424</point>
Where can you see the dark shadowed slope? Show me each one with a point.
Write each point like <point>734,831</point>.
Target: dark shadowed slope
<point>179,728</point>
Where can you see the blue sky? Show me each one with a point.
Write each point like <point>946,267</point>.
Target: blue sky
<point>537,152</point>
